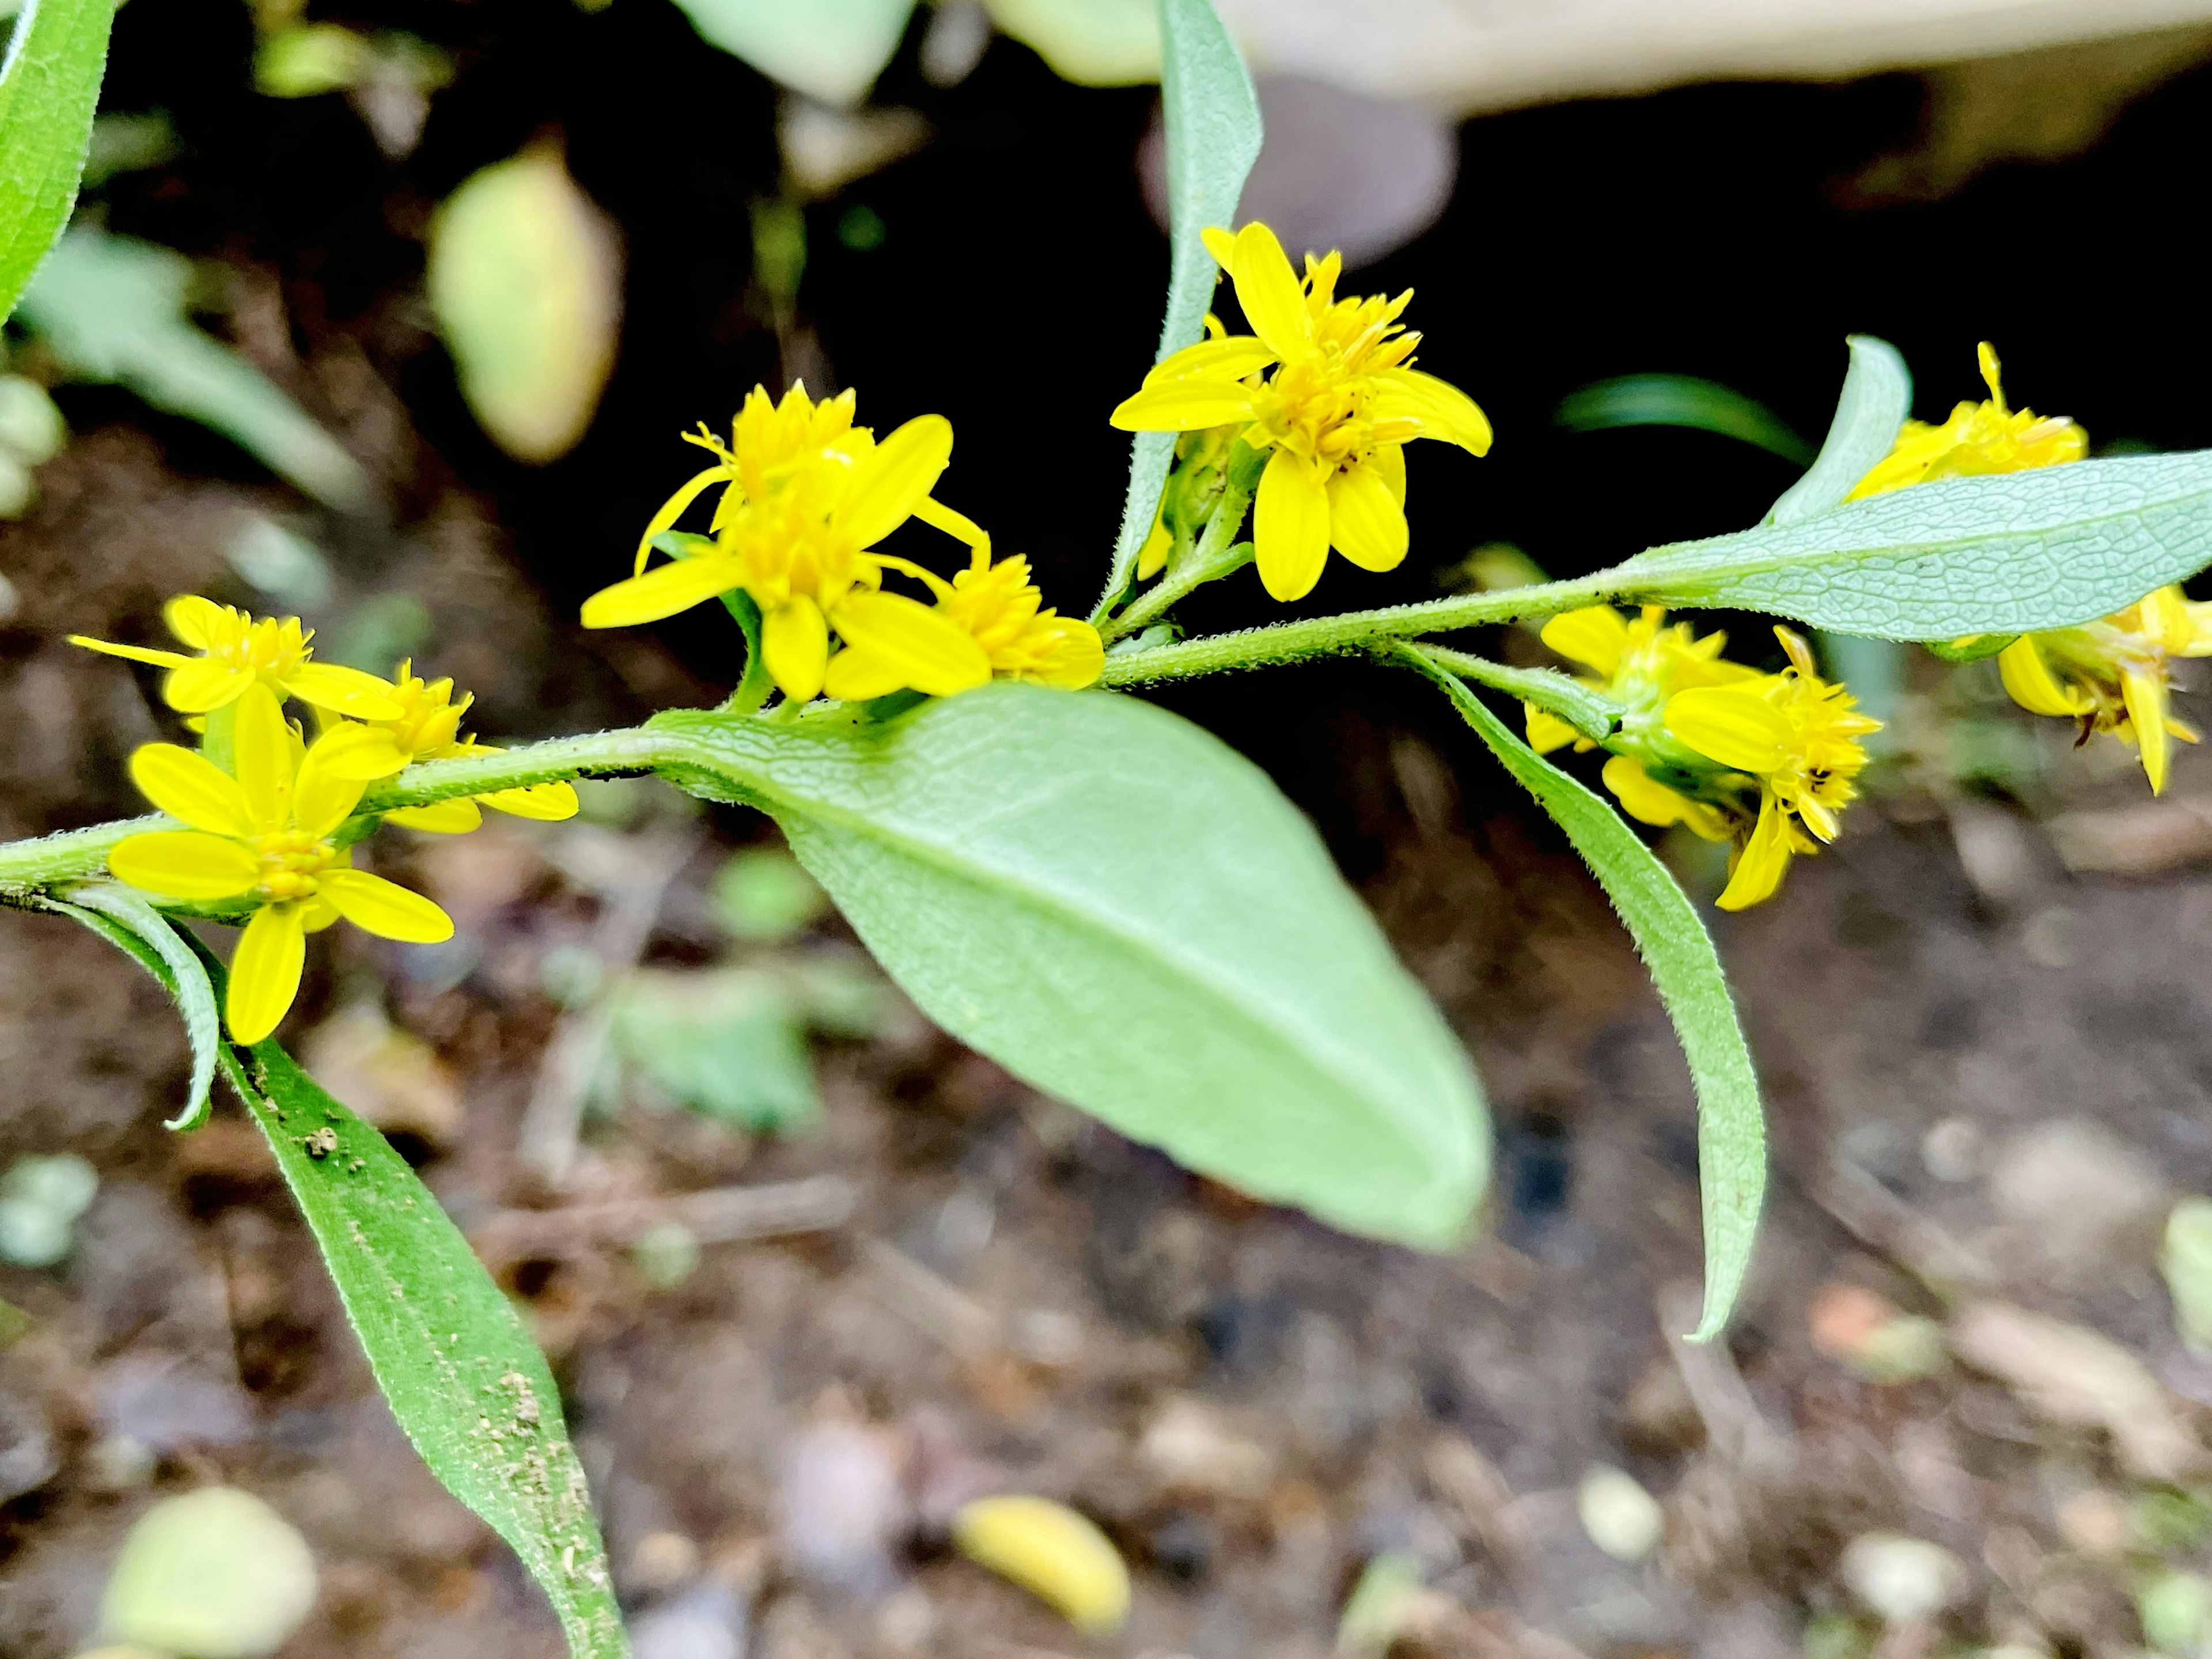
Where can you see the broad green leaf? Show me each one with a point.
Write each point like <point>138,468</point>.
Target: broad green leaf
<point>49,88</point>
<point>1876,398</point>
<point>177,968</point>
<point>1116,907</point>
<point>459,1371</point>
<point>1679,956</point>
<point>112,308</point>
<point>525,278</point>
<point>1213,120</point>
<point>1681,400</point>
<point>2007,554</point>
<point>832,50</point>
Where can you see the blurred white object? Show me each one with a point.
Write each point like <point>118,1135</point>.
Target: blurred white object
<point>1619,1516</point>
<point>216,1574</point>
<point>832,50</point>
<point>1905,1580</point>
<point>826,149</point>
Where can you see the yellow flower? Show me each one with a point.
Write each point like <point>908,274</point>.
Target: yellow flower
<point>1797,737</point>
<point>996,604</point>
<point>1338,410</point>
<point>428,728</point>
<point>2113,675</point>
<point>1977,439</point>
<point>806,494</point>
<point>265,836</point>
<point>236,651</point>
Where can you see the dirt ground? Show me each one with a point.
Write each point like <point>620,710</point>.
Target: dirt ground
<point>1985,1089</point>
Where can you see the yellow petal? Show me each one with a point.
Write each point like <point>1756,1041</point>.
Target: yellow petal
<point>1766,858</point>
<point>264,971</point>
<point>385,907</point>
<point>1274,302</point>
<point>134,653</point>
<point>1290,526</point>
<point>195,621</point>
<point>185,864</point>
<point>317,913</point>
<point>1072,655</point>
<point>661,592</point>
<point>1050,1551</point>
<point>795,645</point>
<point>1152,556</point>
<point>2145,695</point>
<point>673,509</point>
<point>444,818</point>
<point>187,785</point>
<point>1365,523</point>
<point>549,803</point>
<point>363,753</point>
<point>1389,462</point>
<point>958,526</point>
<point>1221,244</point>
<point>1595,636</point>
<point>261,754</point>
<point>1444,411</point>
<point>343,691</point>
<point>325,794</point>
<point>929,650</point>
<point>1731,724</point>
<point>2029,681</point>
<point>201,687</point>
<point>1546,731</point>
<point>856,675</point>
<point>890,481</point>
<point>1184,406</point>
<point>1230,358</point>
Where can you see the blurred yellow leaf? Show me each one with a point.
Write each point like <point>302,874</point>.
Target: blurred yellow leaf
<point>216,1574</point>
<point>526,280</point>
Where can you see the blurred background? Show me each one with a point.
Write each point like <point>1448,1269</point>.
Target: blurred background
<point>390,315</point>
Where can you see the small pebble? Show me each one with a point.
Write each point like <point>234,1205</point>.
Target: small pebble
<point>1954,1151</point>
<point>705,1622</point>
<point>1903,1580</point>
<point>1621,1518</point>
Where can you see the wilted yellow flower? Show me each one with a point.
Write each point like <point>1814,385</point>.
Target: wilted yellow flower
<point>1797,737</point>
<point>236,651</point>
<point>806,494</point>
<point>2114,675</point>
<point>1338,410</point>
<point>1977,439</point>
<point>266,834</point>
<point>428,728</point>
<point>997,606</point>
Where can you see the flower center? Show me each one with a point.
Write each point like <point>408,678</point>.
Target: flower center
<point>270,648</point>
<point>290,861</point>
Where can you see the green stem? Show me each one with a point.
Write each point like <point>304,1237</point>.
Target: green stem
<point>1591,713</point>
<point>1203,565</point>
<point>25,864</point>
<point>599,753</point>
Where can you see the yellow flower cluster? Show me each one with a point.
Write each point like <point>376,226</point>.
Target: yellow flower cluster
<point>806,496</point>
<point>1978,439</point>
<point>264,828</point>
<point>1764,761</point>
<point>1328,388</point>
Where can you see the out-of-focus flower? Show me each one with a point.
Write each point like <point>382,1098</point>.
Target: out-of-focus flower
<point>428,728</point>
<point>237,650</point>
<point>999,607</point>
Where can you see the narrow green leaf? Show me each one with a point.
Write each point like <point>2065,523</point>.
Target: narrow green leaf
<point>49,88</point>
<point>830,50</point>
<point>1681,400</point>
<point>1683,965</point>
<point>112,308</point>
<point>1590,711</point>
<point>185,979</point>
<point>1121,910</point>
<point>1212,119</point>
<point>2007,554</point>
<point>459,1371</point>
<point>1876,398</point>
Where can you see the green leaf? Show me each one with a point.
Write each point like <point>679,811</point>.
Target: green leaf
<point>1970,647</point>
<point>727,1042</point>
<point>174,965</point>
<point>1590,711</point>
<point>1679,956</point>
<point>1212,119</point>
<point>830,50</point>
<point>459,1371</point>
<point>112,308</point>
<point>49,88</point>
<point>1876,398</point>
<point>1119,909</point>
<point>2007,554</point>
<point>1681,400</point>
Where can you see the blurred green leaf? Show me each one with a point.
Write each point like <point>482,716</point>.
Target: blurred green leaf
<point>460,1373</point>
<point>40,1199</point>
<point>761,896</point>
<point>1681,400</point>
<point>1123,911</point>
<point>1877,395</point>
<point>1683,965</point>
<point>127,143</point>
<point>49,88</point>
<point>832,50</point>
<point>2176,1610</point>
<point>216,1574</point>
<point>727,1042</point>
<point>112,309</point>
<point>1212,119</point>
<point>309,59</point>
<point>526,280</point>
<point>2185,1258</point>
<point>1093,43</point>
<point>31,429</point>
